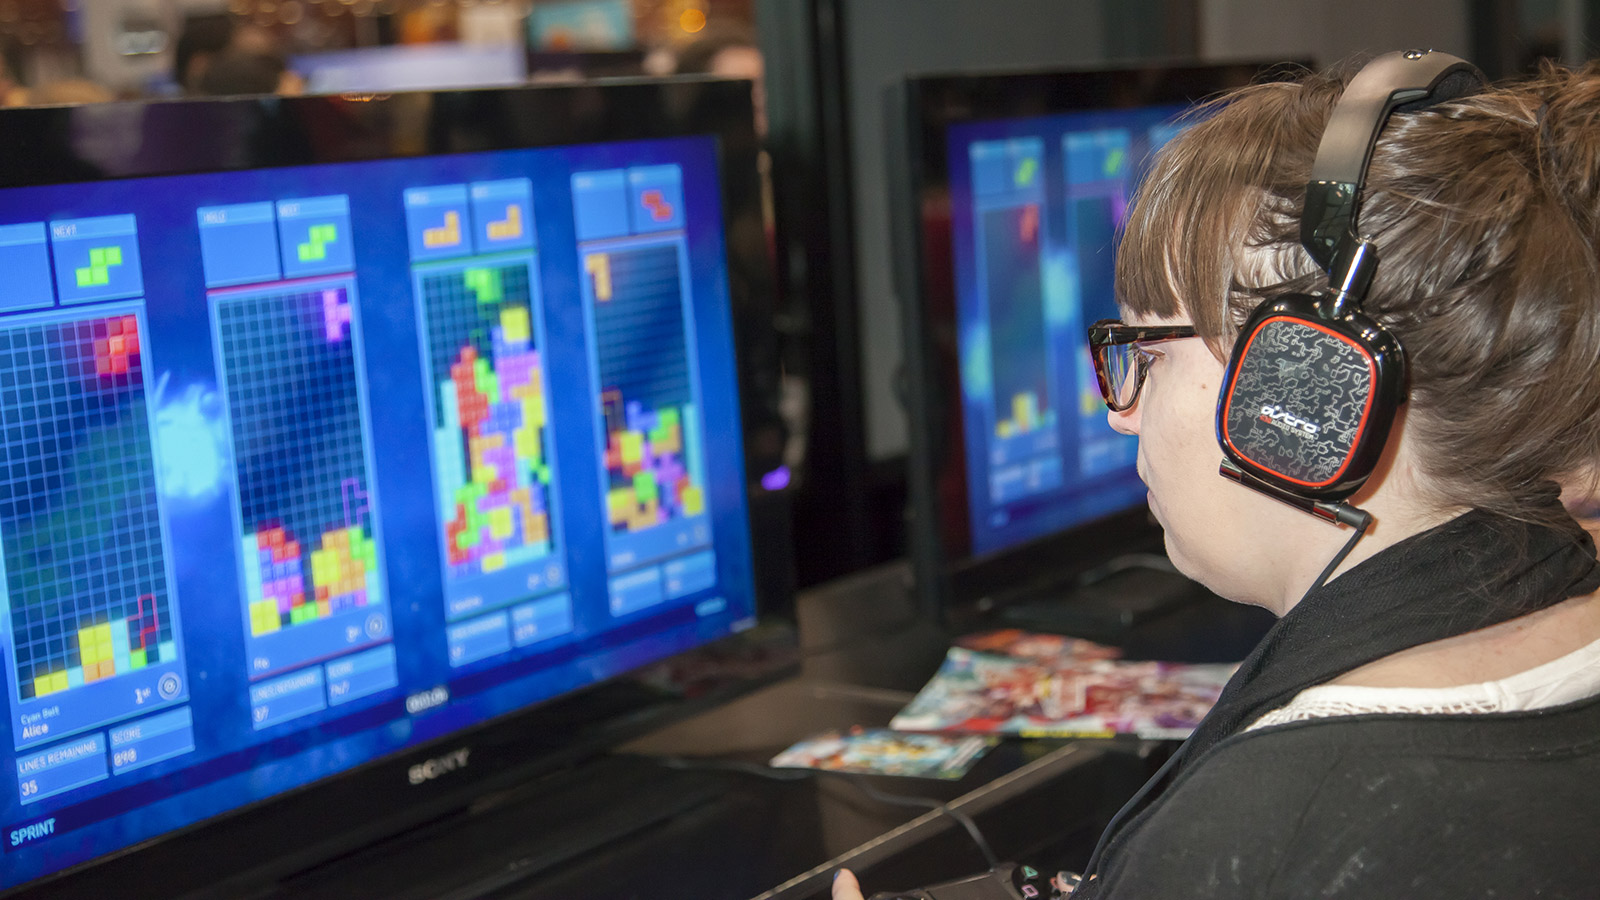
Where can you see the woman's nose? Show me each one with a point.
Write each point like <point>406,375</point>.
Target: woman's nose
<point>1126,421</point>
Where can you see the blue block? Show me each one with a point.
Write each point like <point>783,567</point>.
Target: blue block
<point>690,574</point>
<point>991,163</point>
<point>541,620</point>
<point>152,740</point>
<point>636,590</point>
<point>478,639</point>
<point>239,244</point>
<point>287,697</point>
<point>62,767</point>
<point>25,258</point>
<point>362,674</point>
<point>600,204</point>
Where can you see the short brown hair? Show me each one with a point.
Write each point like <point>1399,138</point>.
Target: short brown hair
<point>1486,214</point>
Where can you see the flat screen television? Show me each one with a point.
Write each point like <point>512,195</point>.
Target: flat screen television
<point>1011,193</point>
<point>413,67</point>
<point>351,449</point>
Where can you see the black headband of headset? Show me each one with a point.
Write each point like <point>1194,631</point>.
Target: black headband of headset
<point>1406,80</point>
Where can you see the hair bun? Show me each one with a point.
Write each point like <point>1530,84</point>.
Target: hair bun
<point>1569,140</point>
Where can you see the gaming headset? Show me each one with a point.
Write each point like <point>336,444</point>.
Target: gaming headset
<point>1313,384</point>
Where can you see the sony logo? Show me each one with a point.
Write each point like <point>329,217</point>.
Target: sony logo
<point>439,765</point>
<point>1277,415</point>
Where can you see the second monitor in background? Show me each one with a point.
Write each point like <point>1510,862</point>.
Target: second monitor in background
<point>1007,224</point>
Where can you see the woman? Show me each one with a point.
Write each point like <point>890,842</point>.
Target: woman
<point>1424,719</point>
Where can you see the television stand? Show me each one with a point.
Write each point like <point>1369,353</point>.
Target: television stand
<point>498,844</point>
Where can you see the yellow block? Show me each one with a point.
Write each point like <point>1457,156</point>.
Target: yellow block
<point>446,235</point>
<point>59,682</point>
<point>598,266</point>
<point>322,566</point>
<point>500,522</point>
<point>632,446</point>
<point>514,324</point>
<point>1022,411</point>
<point>264,617</point>
<point>494,562</point>
<point>536,414</point>
<point>694,501</point>
<point>509,227</point>
<point>88,647</point>
<point>619,504</point>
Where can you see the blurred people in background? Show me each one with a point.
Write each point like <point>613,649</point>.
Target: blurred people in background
<point>730,51</point>
<point>201,40</point>
<point>243,72</point>
<point>215,55</point>
<point>12,92</point>
<point>70,90</point>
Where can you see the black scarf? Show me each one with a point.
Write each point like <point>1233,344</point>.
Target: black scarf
<point>1477,570</point>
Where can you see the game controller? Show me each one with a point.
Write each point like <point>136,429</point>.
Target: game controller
<point>1007,881</point>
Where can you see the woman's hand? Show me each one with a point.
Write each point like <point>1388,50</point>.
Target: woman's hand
<point>845,886</point>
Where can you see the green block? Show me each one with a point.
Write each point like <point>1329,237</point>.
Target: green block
<point>644,487</point>
<point>484,379</point>
<point>316,248</point>
<point>1114,161</point>
<point>485,283</point>
<point>1026,170</point>
<point>137,659</point>
<point>93,276</point>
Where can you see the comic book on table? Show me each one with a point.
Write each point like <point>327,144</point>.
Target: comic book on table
<point>1012,682</point>
<point>878,751</point>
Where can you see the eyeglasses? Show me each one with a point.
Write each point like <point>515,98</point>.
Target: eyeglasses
<point>1120,359</point>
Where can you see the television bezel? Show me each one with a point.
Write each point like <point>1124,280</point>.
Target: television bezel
<point>954,582</point>
<point>379,798</point>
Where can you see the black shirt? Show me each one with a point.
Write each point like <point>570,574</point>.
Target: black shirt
<point>1388,806</point>
<point>1383,806</point>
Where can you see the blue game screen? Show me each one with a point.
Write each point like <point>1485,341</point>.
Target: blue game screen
<point>303,466</point>
<point>1037,204</point>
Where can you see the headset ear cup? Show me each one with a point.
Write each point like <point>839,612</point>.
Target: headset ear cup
<point>1307,401</point>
